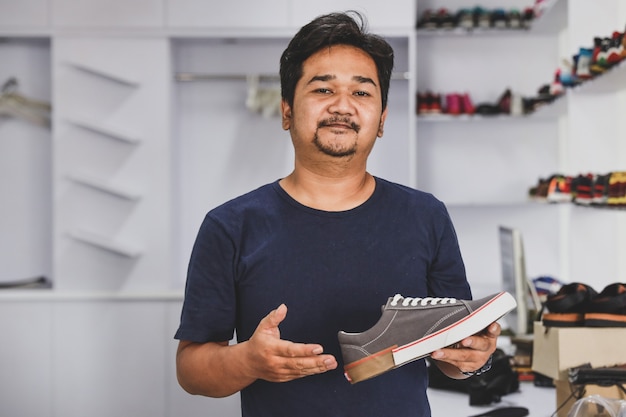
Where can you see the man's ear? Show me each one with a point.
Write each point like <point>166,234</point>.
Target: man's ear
<point>285,110</point>
<point>381,125</point>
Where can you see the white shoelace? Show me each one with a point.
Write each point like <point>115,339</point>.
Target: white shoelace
<point>414,302</point>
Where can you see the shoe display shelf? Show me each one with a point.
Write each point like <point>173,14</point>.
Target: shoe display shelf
<point>481,165</point>
<point>551,22</point>
<point>553,17</point>
<point>613,80</point>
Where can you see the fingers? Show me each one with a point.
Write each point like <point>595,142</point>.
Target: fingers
<point>278,360</point>
<point>283,360</point>
<point>472,352</point>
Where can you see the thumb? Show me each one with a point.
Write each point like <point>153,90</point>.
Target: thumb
<point>273,319</point>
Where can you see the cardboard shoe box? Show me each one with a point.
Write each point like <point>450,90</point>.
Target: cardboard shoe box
<point>565,400</point>
<point>556,349</point>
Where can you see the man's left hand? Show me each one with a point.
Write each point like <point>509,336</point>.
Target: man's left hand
<point>470,354</point>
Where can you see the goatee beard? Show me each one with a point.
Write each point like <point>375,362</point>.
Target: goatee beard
<point>332,150</point>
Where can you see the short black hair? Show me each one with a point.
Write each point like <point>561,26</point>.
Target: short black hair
<point>340,28</point>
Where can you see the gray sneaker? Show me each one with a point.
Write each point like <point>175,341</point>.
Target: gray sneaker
<point>412,328</point>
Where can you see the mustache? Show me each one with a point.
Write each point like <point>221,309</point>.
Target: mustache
<point>343,120</point>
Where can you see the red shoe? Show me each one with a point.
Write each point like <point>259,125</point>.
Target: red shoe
<point>453,104</point>
<point>435,106</point>
<point>466,104</point>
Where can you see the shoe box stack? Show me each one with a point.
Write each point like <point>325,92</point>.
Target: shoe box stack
<point>581,327</point>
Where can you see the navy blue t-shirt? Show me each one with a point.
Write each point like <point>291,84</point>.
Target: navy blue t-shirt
<point>334,271</point>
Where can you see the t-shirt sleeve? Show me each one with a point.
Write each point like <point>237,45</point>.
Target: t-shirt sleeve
<point>209,307</point>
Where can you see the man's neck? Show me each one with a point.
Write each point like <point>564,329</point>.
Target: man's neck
<point>329,193</point>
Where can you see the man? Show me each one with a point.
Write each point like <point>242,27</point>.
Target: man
<point>290,264</point>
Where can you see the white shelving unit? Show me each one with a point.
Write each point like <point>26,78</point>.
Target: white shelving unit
<point>483,166</point>
<point>112,132</point>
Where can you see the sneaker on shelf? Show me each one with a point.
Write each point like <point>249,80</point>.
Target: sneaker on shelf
<point>528,15</point>
<point>616,189</point>
<point>599,57</point>
<point>428,20</point>
<point>583,63</point>
<point>465,19</point>
<point>412,328</point>
<point>467,106</point>
<point>515,19</point>
<point>482,18</point>
<point>568,306</point>
<point>567,76</point>
<point>601,189</point>
<point>445,19</point>
<point>436,106</point>
<point>499,19</point>
<point>539,192</point>
<point>424,102</point>
<point>517,104</point>
<point>560,189</point>
<point>615,49</point>
<point>504,102</point>
<point>608,309</point>
<point>556,87</point>
<point>582,187</point>
<point>453,104</point>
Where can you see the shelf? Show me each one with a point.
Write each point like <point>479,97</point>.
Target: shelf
<point>106,243</point>
<point>552,20</point>
<point>121,79</point>
<point>496,32</point>
<point>613,80</point>
<point>50,295</point>
<point>550,111</point>
<point>490,204</point>
<point>112,132</point>
<point>103,185</point>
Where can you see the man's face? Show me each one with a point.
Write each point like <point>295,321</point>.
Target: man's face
<point>337,109</point>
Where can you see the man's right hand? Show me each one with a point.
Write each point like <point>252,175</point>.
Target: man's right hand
<point>277,360</point>
<point>217,369</point>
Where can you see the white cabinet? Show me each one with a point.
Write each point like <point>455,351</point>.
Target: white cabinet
<point>33,14</point>
<point>380,15</point>
<point>234,14</point>
<point>280,14</point>
<point>107,13</point>
<point>26,359</point>
<point>112,197</point>
<point>118,369</point>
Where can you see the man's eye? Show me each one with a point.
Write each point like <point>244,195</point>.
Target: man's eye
<point>362,93</point>
<point>323,90</point>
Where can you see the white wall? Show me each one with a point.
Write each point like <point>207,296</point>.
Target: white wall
<point>100,342</point>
